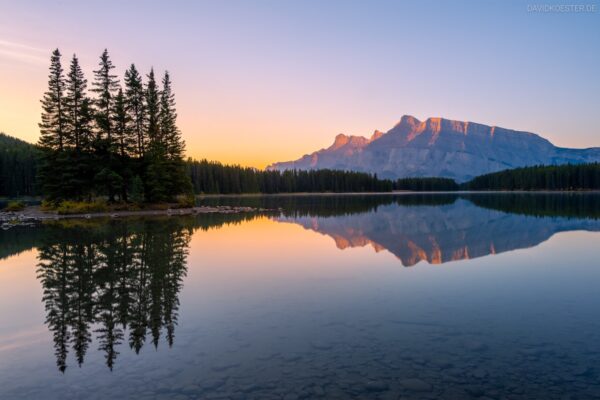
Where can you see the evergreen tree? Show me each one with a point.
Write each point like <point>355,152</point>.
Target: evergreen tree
<point>134,100</point>
<point>156,171</point>
<point>178,180</point>
<point>152,109</point>
<point>52,127</point>
<point>167,121</point>
<point>53,130</point>
<point>122,133</point>
<point>77,171</point>
<point>124,142</point>
<point>76,107</point>
<point>105,86</point>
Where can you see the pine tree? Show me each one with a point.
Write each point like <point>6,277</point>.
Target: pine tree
<point>178,180</point>
<point>53,130</point>
<point>105,86</point>
<point>124,142</point>
<point>77,173</point>
<point>156,172</point>
<point>152,109</point>
<point>76,102</point>
<point>134,99</point>
<point>52,127</point>
<point>169,132</point>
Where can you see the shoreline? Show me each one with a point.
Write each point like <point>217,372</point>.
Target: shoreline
<point>397,192</point>
<point>33,215</point>
<point>394,192</point>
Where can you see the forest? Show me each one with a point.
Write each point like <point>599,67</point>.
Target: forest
<point>540,177</point>
<point>215,178</point>
<point>18,167</point>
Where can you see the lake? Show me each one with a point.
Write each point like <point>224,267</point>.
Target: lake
<point>412,296</point>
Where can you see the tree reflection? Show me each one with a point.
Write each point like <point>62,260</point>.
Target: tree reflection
<point>113,281</point>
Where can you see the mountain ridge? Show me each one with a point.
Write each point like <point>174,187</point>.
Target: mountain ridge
<point>439,147</point>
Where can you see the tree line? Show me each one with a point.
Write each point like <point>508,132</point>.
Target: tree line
<point>575,205</point>
<point>123,143</point>
<point>18,167</point>
<point>540,177</point>
<point>215,178</point>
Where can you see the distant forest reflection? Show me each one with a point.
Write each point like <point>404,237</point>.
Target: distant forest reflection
<point>112,283</point>
<point>569,205</point>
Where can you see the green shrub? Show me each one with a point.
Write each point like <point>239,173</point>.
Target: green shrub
<point>15,206</point>
<point>48,205</point>
<point>185,201</point>
<point>81,207</point>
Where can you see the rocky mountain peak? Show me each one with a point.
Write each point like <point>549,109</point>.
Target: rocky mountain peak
<point>376,135</point>
<point>440,147</point>
<point>408,121</point>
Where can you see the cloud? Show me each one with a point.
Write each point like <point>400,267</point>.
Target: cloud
<point>19,52</point>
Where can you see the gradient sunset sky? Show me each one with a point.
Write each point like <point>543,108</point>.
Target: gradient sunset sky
<point>264,81</point>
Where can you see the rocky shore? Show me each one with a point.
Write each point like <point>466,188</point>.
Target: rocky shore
<point>33,215</point>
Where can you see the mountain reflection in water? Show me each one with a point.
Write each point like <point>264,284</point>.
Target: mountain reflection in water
<point>437,234</point>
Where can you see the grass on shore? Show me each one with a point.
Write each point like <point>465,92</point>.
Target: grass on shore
<point>14,206</point>
<point>70,207</point>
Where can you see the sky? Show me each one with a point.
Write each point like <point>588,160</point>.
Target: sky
<point>261,81</point>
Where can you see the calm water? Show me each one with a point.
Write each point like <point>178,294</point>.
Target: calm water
<point>337,297</point>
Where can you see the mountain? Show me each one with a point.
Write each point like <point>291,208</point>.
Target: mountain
<point>439,147</point>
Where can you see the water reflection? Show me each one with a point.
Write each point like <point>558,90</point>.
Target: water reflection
<point>118,282</point>
<point>110,284</point>
<point>459,229</point>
